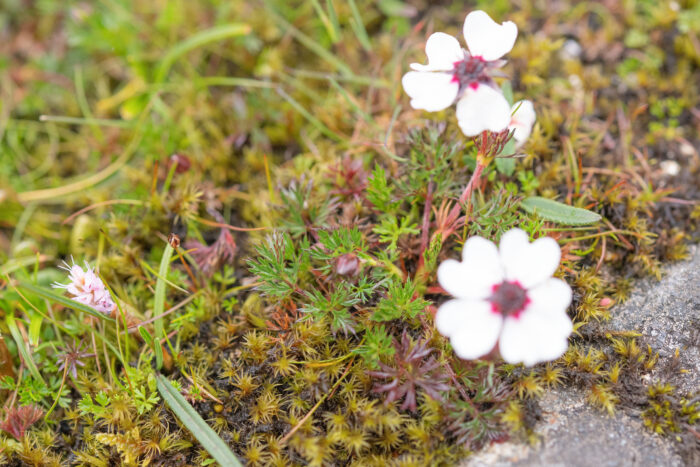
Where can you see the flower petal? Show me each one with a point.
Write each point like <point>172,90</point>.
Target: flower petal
<point>486,38</point>
<point>431,91</point>
<point>540,333</point>
<point>482,108</point>
<point>521,121</point>
<point>528,263</point>
<point>552,297</point>
<point>443,51</point>
<point>471,326</point>
<point>475,276</point>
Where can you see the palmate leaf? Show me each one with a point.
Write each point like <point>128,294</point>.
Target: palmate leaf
<point>557,212</point>
<point>197,426</point>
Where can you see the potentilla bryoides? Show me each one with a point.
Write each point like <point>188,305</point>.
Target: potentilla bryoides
<point>465,76</point>
<point>506,300</point>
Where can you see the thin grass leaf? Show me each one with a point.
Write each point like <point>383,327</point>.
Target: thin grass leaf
<point>333,16</point>
<point>60,299</point>
<point>88,121</point>
<point>558,212</point>
<point>331,30</point>
<point>17,263</point>
<point>22,347</point>
<point>350,100</point>
<point>148,267</point>
<point>359,27</point>
<point>207,81</point>
<point>310,44</point>
<point>50,194</point>
<point>197,426</point>
<point>214,34</point>
<point>313,120</point>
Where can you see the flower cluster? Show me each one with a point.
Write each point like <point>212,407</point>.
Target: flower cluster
<point>466,77</point>
<point>506,299</point>
<point>87,288</point>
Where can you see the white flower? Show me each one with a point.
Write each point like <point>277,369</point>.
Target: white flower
<point>522,119</point>
<point>453,73</point>
<point>87,288</point>
<point>506,296</point>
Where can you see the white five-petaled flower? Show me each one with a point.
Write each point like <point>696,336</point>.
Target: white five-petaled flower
<point>87,288</point>
<point>453,73</point>
<point>506,296</point>
<point>521,121</point>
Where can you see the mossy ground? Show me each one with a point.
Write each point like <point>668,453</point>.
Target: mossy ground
<point>289,117</point>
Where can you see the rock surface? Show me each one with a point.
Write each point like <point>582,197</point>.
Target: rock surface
<point>573,433</point>
<point>667,314</point>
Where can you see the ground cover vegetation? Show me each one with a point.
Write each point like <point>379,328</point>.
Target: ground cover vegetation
<point>258,215</point>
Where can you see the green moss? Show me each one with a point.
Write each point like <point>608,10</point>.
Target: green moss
<point>301,130</point>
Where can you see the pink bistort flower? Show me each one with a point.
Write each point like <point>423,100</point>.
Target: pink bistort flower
<point>87,288</point>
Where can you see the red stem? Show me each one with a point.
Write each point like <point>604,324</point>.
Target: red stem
<point>467,193</point>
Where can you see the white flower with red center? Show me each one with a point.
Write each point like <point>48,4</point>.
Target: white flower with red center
<point>521,121</point>
<point>87,288</point>
<point>453,73</point>
<point>506,299</point>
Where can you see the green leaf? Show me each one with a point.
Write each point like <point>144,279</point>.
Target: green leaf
<point>558,212</point>
<point>197,426</point>
<point>507,90</point>
<point>159,302</point>
<point>35,322</point>
<point>146,335</point>
<point>506,165</point>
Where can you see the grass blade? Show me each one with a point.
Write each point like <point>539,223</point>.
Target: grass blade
<point>313,120</point>
<point>310,44</point>
<point>22,347</point>
<point>159,299</point>
<point>197,426</point>
<point>215,34</point>
<point>331,30</point>
<point>359,27</point>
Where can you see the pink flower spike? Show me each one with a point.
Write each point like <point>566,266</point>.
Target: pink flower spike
<point>87,288</point>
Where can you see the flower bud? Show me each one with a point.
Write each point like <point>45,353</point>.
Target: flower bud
<point>347,265</point>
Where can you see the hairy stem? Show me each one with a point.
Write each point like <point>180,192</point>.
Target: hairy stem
<point>466,195</point>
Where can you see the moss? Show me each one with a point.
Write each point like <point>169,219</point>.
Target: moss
<point>275,336</point>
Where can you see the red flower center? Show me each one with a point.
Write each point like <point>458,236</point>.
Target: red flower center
<point>509,299</point>
<point>470,72</point>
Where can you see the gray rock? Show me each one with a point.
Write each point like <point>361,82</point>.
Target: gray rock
<point>667,314</point>
<point>573,433</point>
